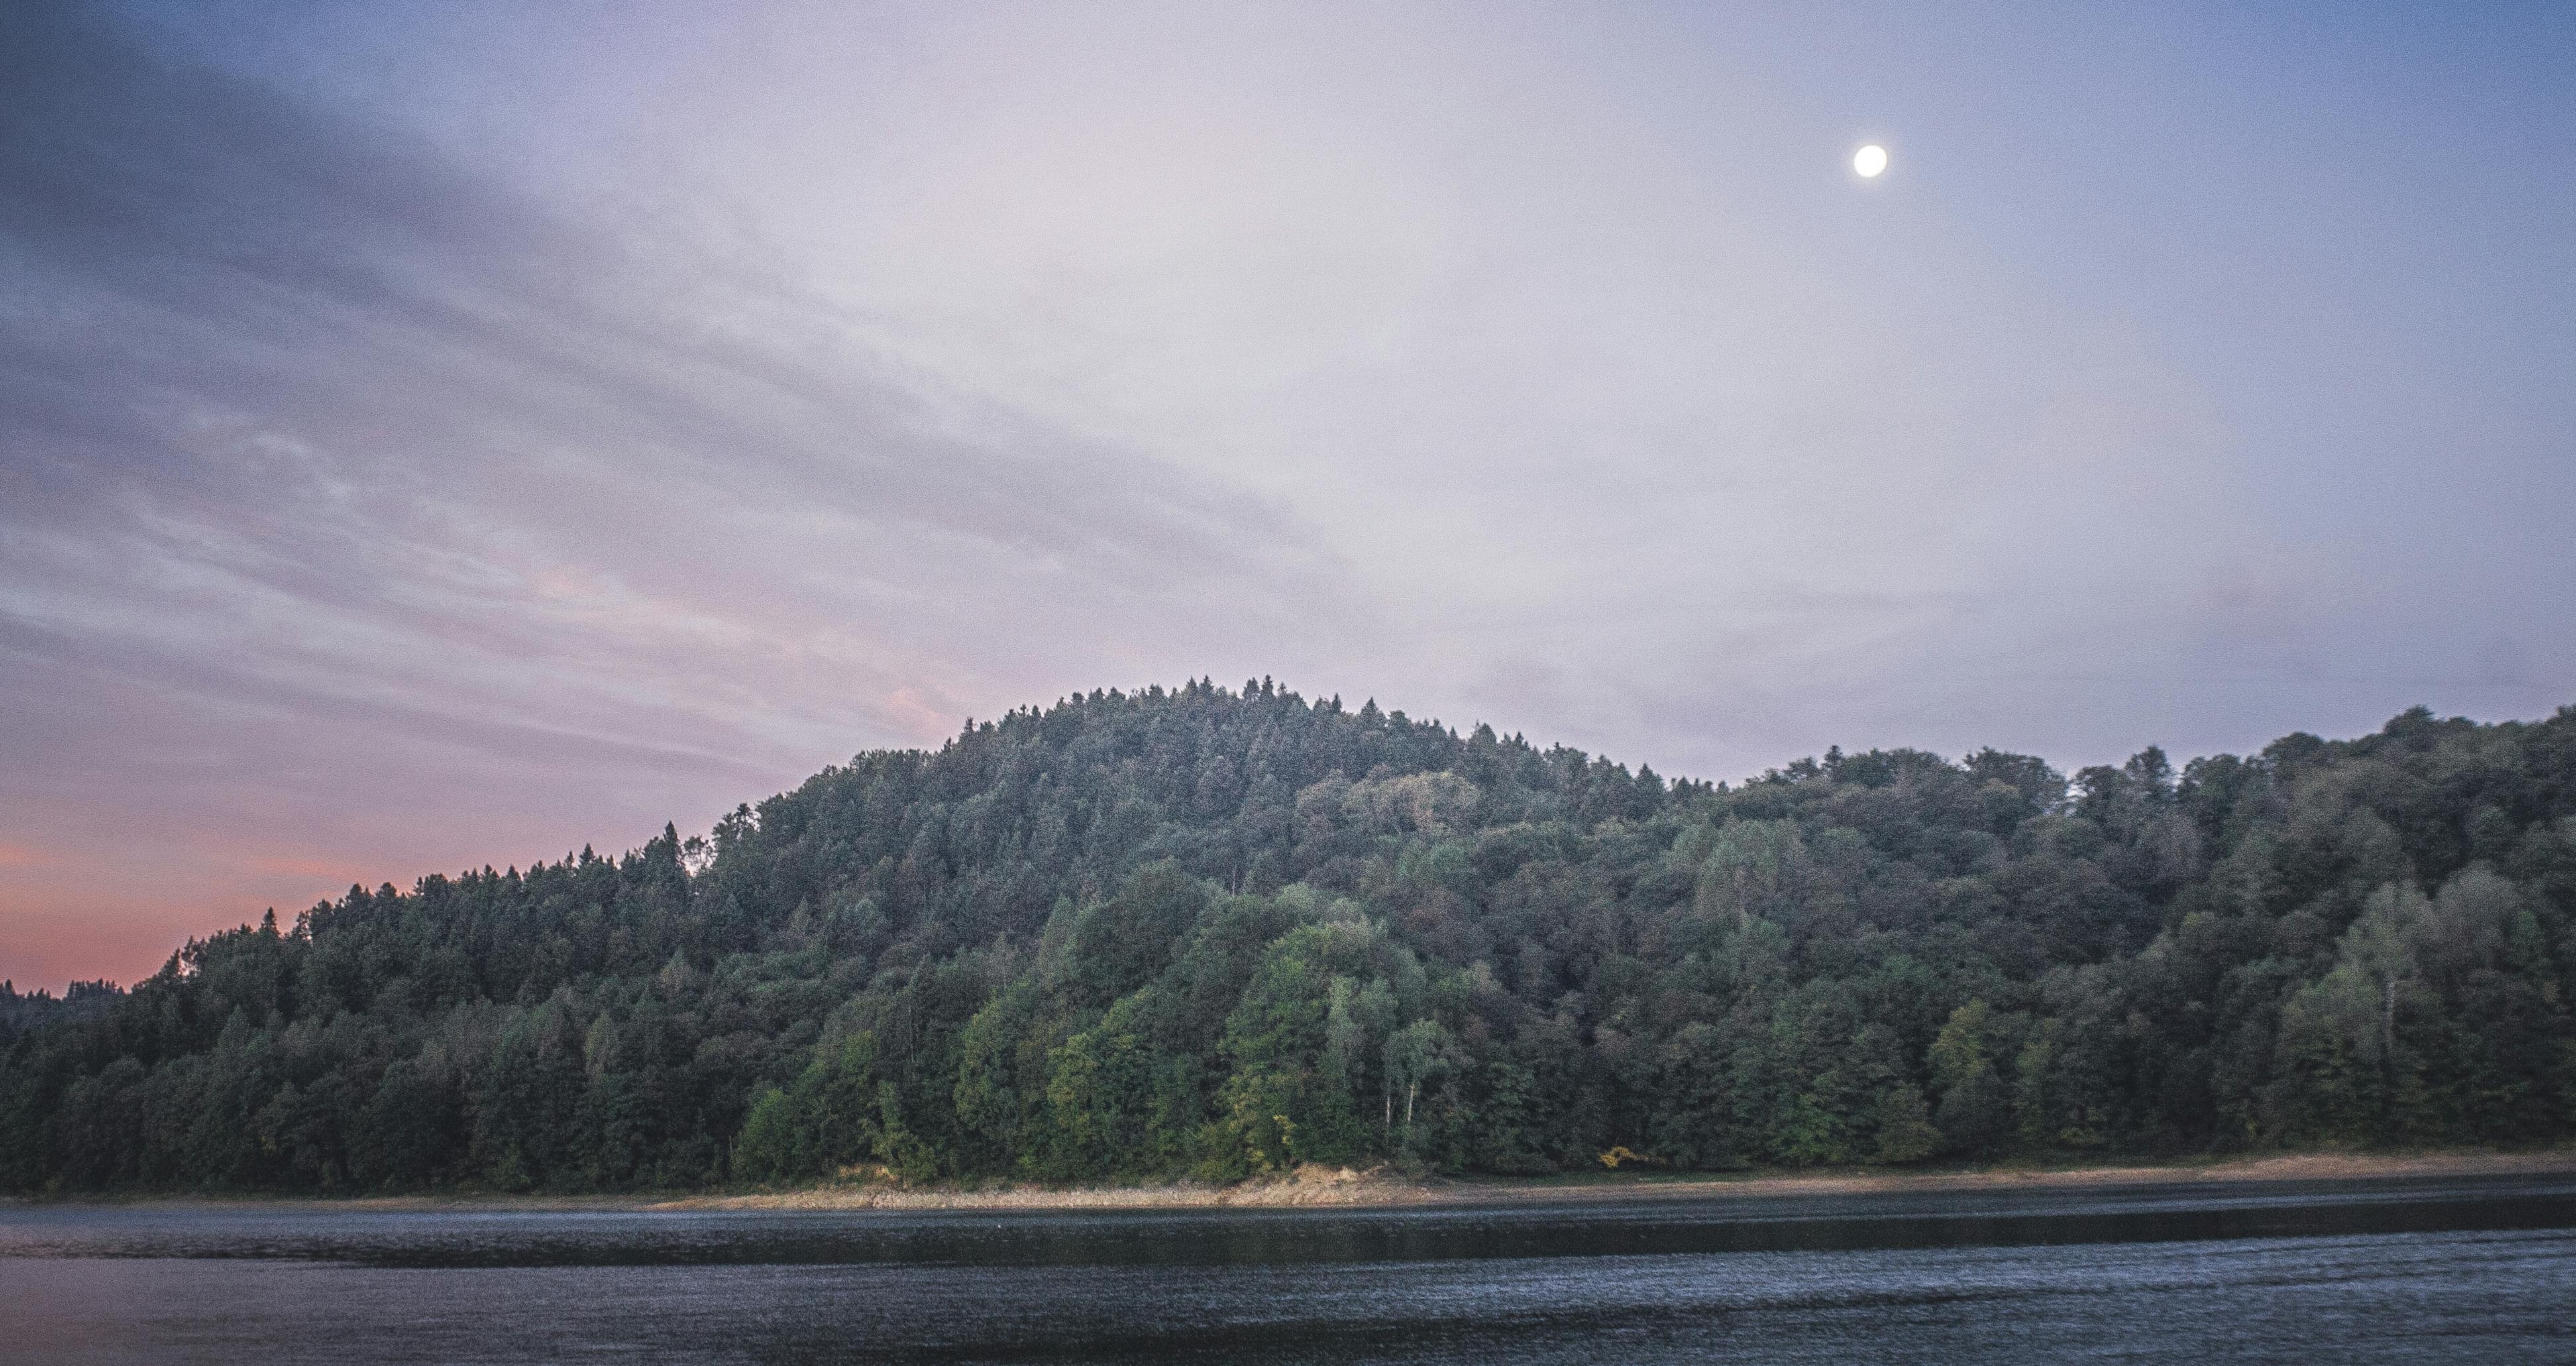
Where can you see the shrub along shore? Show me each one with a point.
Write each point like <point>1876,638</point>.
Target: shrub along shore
<point>1321,1187</point>
<point>1346,1186</point>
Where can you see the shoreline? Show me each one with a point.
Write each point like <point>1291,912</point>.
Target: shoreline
<point>1343,1188</point>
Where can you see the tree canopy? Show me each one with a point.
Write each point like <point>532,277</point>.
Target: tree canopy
<point>1215,933</point>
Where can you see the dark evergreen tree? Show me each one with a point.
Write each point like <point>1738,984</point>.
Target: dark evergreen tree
<point>1224,933</point>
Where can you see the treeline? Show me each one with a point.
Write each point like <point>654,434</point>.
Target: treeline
<point>1217,934</point>
<point>21,1013</point>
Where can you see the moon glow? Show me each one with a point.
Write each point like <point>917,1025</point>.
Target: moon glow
<point>1869,161</point>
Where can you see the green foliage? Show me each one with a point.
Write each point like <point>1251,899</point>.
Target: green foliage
<point>831,1118</point>
<point>1227,933</point>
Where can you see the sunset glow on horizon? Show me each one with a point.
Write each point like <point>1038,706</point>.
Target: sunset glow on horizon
<point>446,435</point>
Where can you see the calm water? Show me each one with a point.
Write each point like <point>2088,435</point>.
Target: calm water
<point>2463,1270</point>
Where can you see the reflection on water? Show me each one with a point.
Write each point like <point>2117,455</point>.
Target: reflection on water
<point>2384,1271</point>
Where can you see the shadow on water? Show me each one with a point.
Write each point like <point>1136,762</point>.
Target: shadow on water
<point>2477,1269</point>
<point>1747,1223</point>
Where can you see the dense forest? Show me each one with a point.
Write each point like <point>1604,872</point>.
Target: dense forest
<point>1215,934</point>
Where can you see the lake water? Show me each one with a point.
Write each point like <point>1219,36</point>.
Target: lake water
<point>2480,1270</point>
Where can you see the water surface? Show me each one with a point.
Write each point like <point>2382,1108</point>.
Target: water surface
<point>2480,1269</point>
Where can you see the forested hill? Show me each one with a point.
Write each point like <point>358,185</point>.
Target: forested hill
<point>1215,933</point>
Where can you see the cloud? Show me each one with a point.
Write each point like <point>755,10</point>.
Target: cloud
<point>450,434</point>
<point>346,486</point>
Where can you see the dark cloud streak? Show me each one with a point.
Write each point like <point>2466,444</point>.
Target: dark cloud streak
<point>302,418</point>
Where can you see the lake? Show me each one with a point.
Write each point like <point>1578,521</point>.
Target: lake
<point>2474,1269</point>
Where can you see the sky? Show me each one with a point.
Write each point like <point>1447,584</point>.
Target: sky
<point>445,434</point>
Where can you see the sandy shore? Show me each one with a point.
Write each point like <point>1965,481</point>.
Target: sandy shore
<point>1342,1187</point>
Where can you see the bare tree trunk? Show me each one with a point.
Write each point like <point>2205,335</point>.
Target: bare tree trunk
<point>2388,1022</point>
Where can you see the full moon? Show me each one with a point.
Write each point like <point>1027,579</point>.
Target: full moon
<point>1869,161</point>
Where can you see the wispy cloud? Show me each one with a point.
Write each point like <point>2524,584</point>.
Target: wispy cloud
<point>313,432</point>
<point>447,434</point>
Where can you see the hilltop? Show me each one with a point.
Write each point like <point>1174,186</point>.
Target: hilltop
<point>1215,935</point>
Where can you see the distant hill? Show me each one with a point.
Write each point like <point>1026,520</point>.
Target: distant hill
<point>1218,933</point>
